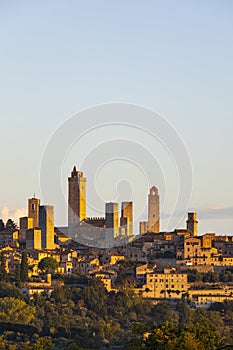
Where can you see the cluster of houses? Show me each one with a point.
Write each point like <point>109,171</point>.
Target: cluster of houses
<point>160,263</point>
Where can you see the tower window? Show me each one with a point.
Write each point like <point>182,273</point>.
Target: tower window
<point>33,207</point>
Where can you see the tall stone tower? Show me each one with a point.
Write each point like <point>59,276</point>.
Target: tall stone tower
<point>192,224</point>
<point>76,199</point>
<point>112,221</point>
<point>153,210</point>
<point>33,210</point>
<point>127,217</point>
<point>25,224</point>
<point>46,224</point>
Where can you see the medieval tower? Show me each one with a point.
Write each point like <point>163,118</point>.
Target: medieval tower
<point>76,199</point>
<point>33,211</point>
<point>192,224</point>
<point>153,210</point>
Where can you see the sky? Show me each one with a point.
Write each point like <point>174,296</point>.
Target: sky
<point>173,57</point>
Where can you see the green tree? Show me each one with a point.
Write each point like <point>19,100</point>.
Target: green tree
<point>184,313</point>
<point>189,341</point>
<point>48,265</point>
<point>24,267</point>
<point>9,290</point>
<point>163,337</point>
<point>16,311</point>
<point>43,344</point>
<point>11,225</point>
<point>205,331</point>
<point>163,312</point>
<point>3,273</point>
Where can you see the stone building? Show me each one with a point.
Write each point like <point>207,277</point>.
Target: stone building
<point>167,283</point>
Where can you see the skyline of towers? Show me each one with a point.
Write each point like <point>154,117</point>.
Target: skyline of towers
<point>77,211</point>
<point>77,219</point>
<point>37,230</point>
<point>76,198</point>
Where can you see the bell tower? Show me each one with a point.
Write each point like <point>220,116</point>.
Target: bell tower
<point>153,210</point>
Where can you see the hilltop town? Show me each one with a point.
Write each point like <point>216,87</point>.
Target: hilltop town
<point>40,259</point>
<point>159,261</point>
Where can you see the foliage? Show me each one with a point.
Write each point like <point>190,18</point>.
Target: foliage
<point>201,336</point>
<point>16,311</point>
<point>11,225</point>
<point>9,290</point>
<point>81,314</point>
<point>224,276</point>
<point>43,344</point>
<point>48,264</point>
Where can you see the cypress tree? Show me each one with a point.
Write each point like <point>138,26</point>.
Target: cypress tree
<point>3,273</point>
<point>17,276</point>
<point>24,267</point>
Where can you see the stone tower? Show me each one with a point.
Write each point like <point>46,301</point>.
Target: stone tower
<point>112,221</point>
<point>192,224</point>
<point>127,217</point>
<point>76,199</point>
<point>153,211</point>
<point>46,224</point>
<point>33,211</point>
<point>25,224</point>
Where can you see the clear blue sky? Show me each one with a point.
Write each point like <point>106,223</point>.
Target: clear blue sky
<point>175,57</point>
